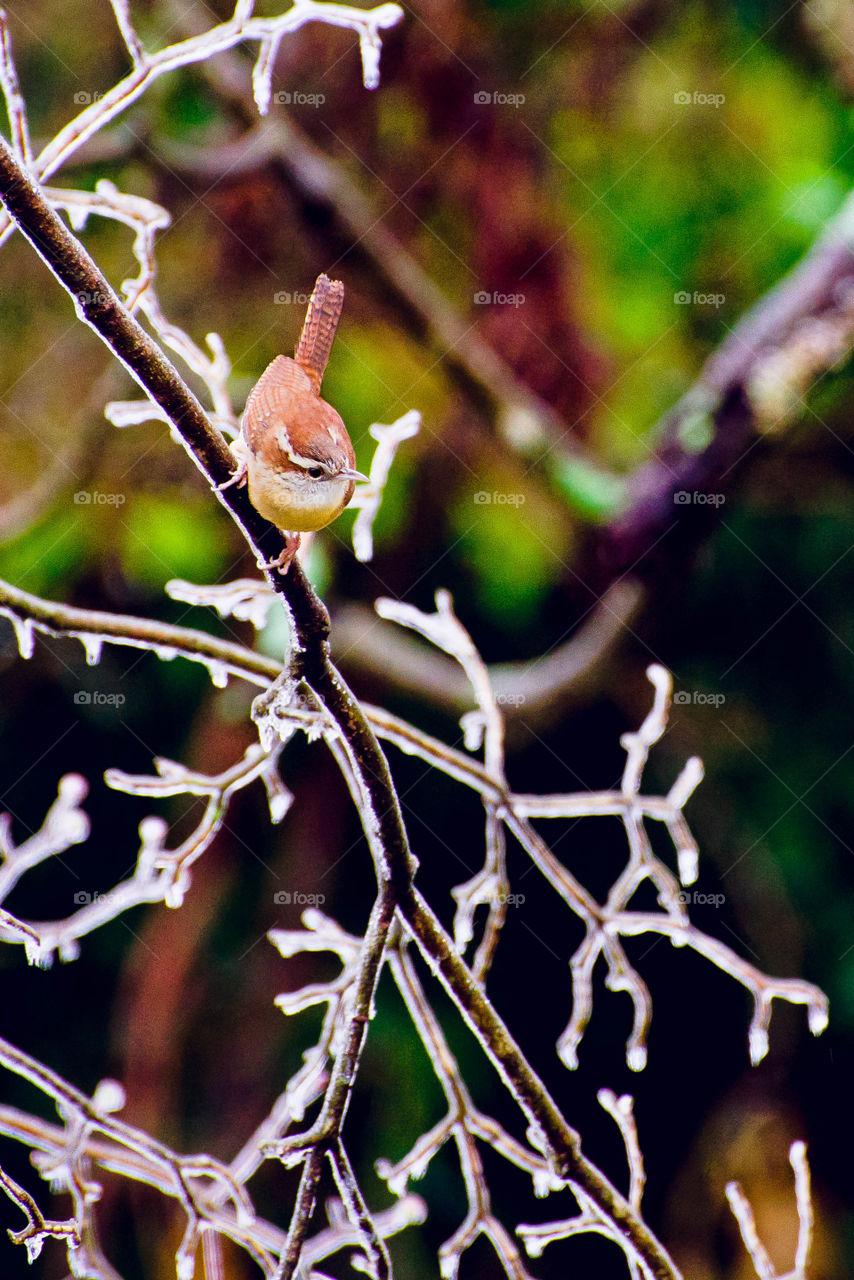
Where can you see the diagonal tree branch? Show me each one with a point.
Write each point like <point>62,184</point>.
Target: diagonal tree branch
<point>102,310</point>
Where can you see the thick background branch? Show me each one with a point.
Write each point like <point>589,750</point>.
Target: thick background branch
<point>751,387</point>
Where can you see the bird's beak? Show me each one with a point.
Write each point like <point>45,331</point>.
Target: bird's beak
<point>349,473</point>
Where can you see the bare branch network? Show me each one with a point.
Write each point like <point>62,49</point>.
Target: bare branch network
<point>305,1125</point>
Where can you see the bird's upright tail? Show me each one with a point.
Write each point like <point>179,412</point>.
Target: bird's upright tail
<point>318,332</point>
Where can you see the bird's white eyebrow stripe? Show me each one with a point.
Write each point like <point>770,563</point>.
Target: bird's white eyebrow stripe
<point>298,459</point>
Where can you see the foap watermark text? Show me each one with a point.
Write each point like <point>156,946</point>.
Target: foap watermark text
<point>286,99</point>
<point>684,298</point>
<point>483,498</point>
<point>285,299</point>
<point>696,698</point>
<point>483,98</point>
<point>483,298</point>
<point>95,698</point>
<point>691,897</point>
<point>94,498</point>
<point>685,497</point>
<point>697,99</point>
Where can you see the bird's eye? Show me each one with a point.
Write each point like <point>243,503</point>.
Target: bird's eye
<point>315,472</point>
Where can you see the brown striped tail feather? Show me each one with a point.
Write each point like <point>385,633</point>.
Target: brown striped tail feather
<point>318,332</point>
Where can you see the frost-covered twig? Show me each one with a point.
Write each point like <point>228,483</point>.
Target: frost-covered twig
<point>160,875</point>
<point>66,1164</point>
<point>95,628</point>
<point>590,1218</point>
<point>604,923</point>
<point>343,1234</point>
<point>740,1205</point>
<point>548,1130</point>
<point>318,934</point>
<point>65,824</point>
<point>482,727</point>
<point>15,106</point>
<point>367,24</point>
<point>132,1154</point>
<point>538,692</point>
<point>621,1110</point>
<point>466,1125</point>
<point>48,1143</point>
<point>143,216</point>
<point>375,1260</point>
<point>323,1138</point>
<point>37,1228</point>
<point>248,599</point>
<point>146,219</point>
<point>368,497</point>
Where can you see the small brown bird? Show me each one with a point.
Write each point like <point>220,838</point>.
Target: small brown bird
<point>294,449</point>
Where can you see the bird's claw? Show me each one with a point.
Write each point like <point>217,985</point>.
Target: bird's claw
<point>285,557</point>
<point>238,477</point>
